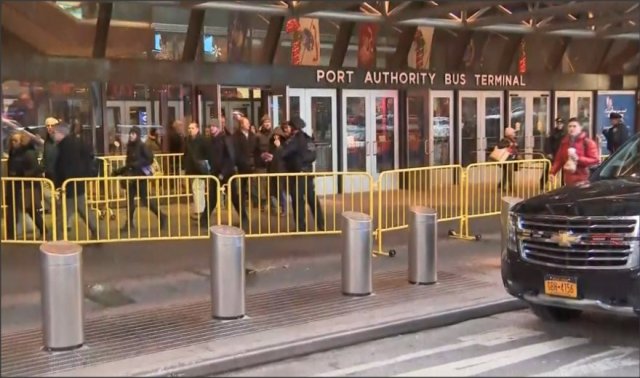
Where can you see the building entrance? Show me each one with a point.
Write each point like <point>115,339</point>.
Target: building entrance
<point>370,125</point>
<point>575,104</point>
<point>481,124</point>
<point>529,116</point>
<point>318,108</point>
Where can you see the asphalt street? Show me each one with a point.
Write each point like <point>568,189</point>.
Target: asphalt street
<point>508,344</point>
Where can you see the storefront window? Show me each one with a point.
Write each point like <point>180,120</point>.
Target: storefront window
<point>27,105</point>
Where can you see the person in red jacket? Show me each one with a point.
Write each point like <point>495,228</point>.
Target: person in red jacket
<point>576,154</point>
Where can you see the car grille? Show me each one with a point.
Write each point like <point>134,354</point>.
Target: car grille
<point>580,242</point>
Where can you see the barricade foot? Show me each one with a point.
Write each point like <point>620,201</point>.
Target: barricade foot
<point>456,235</point>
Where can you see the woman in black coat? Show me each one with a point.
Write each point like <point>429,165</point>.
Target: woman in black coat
<point>138,163</point>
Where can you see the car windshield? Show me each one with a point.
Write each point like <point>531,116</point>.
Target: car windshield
<point>625,163</point>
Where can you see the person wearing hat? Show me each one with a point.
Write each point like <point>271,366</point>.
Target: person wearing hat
<point>557,133</point>
<point>297,158</point>
<point>138,163</point>
<point>617,134</point>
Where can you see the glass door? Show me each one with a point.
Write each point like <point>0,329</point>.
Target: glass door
<point>369,133</point>
<point>529,116</point>
<point>575,104</point>
<point>481,125</point>
<point>440,144</point>
<point>417,129</point>
<point>175,111</point>
<point>318,108</point>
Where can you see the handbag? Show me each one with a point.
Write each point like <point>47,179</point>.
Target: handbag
<point>499,154</point>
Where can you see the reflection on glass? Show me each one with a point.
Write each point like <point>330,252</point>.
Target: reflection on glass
<point>441,130</point>
<point>563,106</point>
<point>385,118</point>
<point>415,131</point>
<point>517,117</point>
<point>138,115</point>
<point>321,125</point>
<point>356,134</point>
<point>540,123</point>
<point>493,118</point>
<point>294,106</point>
<point>584,112</point>
<point>469,131</point>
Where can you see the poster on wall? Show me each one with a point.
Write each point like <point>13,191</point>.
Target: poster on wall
<point>305,41</point>
<point>420,52</point>
<point>367,46</point>
<point>621,102</point>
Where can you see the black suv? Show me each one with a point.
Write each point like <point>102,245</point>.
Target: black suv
<point>578,248</point>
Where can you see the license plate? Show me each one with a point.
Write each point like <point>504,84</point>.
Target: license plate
<point>561,286</point>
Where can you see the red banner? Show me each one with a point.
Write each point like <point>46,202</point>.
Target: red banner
<point>522,62</point>
<point>367,46</point>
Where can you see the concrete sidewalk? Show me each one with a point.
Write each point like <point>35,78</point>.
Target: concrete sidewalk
<point>167,329</point>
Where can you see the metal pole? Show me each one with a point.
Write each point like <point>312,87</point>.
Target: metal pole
<point>227,272</point>
<point>423,245</point>
<point>62,295</point>
<point>507,204</point>
<point>356,254</point>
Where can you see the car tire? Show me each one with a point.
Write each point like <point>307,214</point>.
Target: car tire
<point>556,314</point>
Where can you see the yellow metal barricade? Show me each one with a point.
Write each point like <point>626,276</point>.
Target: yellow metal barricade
<point>484,185</point>
<point>4,167</point>
<point>139,215</point>
<point>437,187</point>
<point>25,201</point>
<point>276,204</point>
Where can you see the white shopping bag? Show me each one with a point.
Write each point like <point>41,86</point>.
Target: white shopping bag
<point>198,189</point>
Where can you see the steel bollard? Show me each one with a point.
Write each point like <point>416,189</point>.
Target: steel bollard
<point>227,272</point>
<point>356,254</point>
<point>423,245</point>
<point>507,204</point>
<point>62,295</point>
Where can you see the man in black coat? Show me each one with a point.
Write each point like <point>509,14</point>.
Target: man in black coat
<point>245,145</point>
<point>221,158</point>
<point>302,188</point>
<point>557,133</point>
<point>74,160</point>
<point>617,134</point>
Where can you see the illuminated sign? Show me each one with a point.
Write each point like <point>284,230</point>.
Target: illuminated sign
<point>329,76</point>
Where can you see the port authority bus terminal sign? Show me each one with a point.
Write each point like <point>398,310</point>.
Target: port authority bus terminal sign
<point>357,78</point>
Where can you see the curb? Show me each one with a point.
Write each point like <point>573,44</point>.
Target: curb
<point>341,339</point>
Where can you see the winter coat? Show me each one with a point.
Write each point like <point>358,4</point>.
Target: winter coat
<point>588,156</point>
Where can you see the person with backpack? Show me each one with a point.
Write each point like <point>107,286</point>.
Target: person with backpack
<point>576,154</point>
<point>298,154</point>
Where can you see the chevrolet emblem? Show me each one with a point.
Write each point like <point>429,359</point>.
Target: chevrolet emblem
<point>564,239</point>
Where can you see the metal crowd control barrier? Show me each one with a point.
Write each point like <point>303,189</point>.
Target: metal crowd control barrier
<point>484,184</point>
<point>276,204</point>
<point>507,204</point>
<point>227,272</point>
<point>62,295</point>
<point>437,187</point>
<point>173,210</point>
<point>356,254</point>
<point>28,202</point>
<point>423,242</point>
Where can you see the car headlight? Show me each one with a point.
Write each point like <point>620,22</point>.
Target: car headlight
<point>512,232</point>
